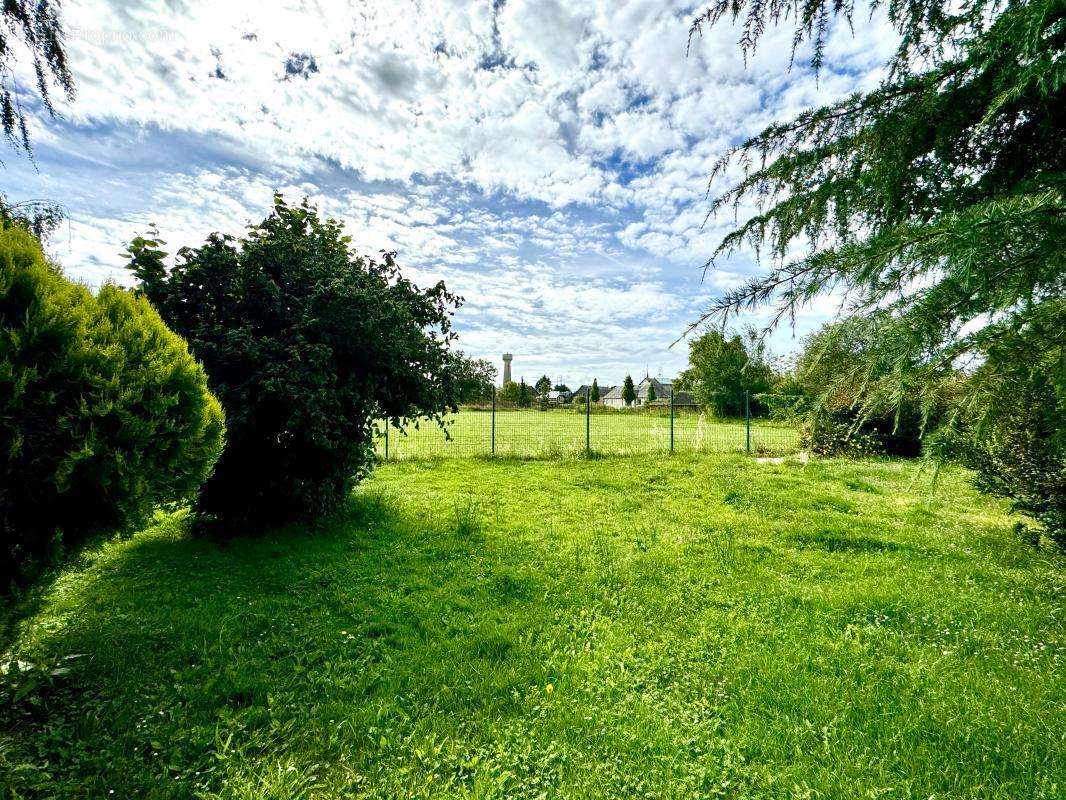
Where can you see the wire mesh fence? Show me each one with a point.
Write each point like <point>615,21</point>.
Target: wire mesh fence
<point>554,432</point>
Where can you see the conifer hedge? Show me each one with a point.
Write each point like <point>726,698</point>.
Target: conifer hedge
<point>104,414</point>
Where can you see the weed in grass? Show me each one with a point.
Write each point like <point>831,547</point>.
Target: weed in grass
<point>467,516</point>
<point>859,485</point>
<point>724,545</point>
<point>646,538</point>
<point>735,499</point>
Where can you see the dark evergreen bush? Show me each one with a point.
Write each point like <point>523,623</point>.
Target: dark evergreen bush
<point>103,412</point>
<point>850,399</point>
<point>306,345</point>
<point>1019,452</point>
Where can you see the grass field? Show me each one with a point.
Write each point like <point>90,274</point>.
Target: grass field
<point>561,432</point>
<point>694,626</point>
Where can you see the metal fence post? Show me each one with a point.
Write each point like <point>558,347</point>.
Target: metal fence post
<point>588,418</point>
<point>747,421</point>
<point>386,438</point>
<point>494,420</point>
<point>671,419</point>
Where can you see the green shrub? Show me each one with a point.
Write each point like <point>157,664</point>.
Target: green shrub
<point>103,412</point>
<point>1019,452</point>
<point>835,435</point>
<point>847,394</point>
<point>306,345</point>
<point>789,408</point>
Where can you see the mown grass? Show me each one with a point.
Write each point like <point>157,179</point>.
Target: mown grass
<point>555,433</point>
<point>675,628</point>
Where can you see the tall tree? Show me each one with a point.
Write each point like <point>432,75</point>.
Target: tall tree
<point>722,368</point>
<point>652,397</point>
<point>594,392</point>
<point>629,392</point>
<point>543,385</point>
<point>934,203</point>
<point>525,394</point>
<point>475,378</point>
<point>31,27</point>
<point>307,345</point>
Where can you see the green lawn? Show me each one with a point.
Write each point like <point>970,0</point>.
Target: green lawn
<point>561,432</point>
<point>694,626</point>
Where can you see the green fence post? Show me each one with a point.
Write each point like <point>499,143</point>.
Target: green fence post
<point>494,420</point>
<point>588,418</point>
<point>747,421</point>
<point>386,438</point>
<point>671,419</point>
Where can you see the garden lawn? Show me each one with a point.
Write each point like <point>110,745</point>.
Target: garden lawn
<point>680,627</point>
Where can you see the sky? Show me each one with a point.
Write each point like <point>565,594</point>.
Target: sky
<point>548,160</point>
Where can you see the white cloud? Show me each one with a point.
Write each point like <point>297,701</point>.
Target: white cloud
<point>547,158</point>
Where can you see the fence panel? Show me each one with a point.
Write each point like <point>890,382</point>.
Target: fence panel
<point>568,431</point>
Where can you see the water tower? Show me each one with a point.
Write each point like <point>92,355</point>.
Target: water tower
<point>507,368</point>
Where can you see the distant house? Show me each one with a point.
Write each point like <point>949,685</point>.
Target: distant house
<point>555,398</point>
<point>613,398</point>
<point>585,390</point>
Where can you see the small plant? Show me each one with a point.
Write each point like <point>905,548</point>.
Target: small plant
<point>468,518</point>
<point>724,544</point>
<point>23,680</point>
<point>646,538</point>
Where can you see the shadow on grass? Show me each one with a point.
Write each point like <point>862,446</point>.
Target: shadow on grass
<point>840,543</point>
<point>183,637</point>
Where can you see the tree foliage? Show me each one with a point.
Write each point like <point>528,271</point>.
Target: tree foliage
<point>103,412</point>
<point>543,385</point>
<point>652,397</point>
<point>508,393</point>
<point>629,391</point>
<point>935,203</point>
<point>594,392</point>
<point>39,217</point>
<point>525,394</point>
<point>851,413</point>
<point>306,345</point>
<point>722,368</point>
<point>1019,451</point>
<point>474,377</point>
<point>32,27</point>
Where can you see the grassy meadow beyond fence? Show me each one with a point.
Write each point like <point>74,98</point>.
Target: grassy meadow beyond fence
<point>533,433</point>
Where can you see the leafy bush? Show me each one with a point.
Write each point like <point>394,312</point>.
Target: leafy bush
<point>508,394</point>
<point>103,412</point>
<point>847,393</point>
<point>835,435</point>
<point>781,407</point>
<point>306,345</point>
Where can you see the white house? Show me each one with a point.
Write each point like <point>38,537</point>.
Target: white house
<point>614,399</point>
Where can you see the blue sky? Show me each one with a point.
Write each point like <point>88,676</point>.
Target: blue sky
<point>548,160</point>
